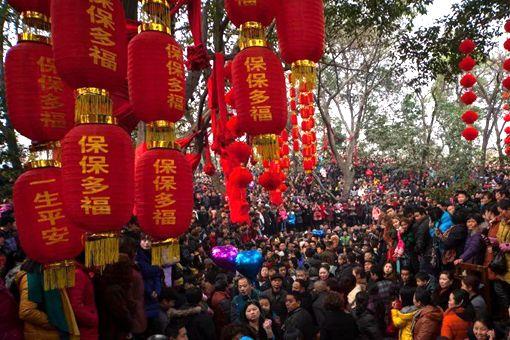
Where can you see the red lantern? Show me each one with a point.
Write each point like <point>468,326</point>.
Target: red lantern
<point>46,235</point>
<point>469,117</point>
<point>506,83</point>
<point>156,77</point>
<point>285,149</point>
<point>507,130</point>
<point>293,119</point>
<point>295,146</point>
<point>97,177</point>
<point>293,105</point>
<point>468,98</point>
<point>295,132</point>
<point>506,65</point>
<point>300,26</point>
<point>507,151</point>
<point>468,80</point>
<point>242,11</point>
<point>40,6</point>
<point>164,193</point>
<point>467,46</point>
<point>40,105</point>
<point>470,133</point>
<point>506,45</point>
<point>507,140</point>
<point>89,42</point>
<point>506,117</point>
<point>507,26</point>
<point>467,64</point>
<point>257,76</point>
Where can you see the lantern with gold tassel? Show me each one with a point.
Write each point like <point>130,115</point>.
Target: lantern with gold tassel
<point>46,235</point>
<point>90,49</point>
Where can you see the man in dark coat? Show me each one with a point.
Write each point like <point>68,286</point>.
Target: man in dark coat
<point>299,322</point>
<point>423,247</point>
<point>276,296</point>
<point>199,326</point>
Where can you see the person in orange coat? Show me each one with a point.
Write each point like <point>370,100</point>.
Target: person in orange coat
<point>82,300</point>
<point>427,320</point>
<point>458,317</point>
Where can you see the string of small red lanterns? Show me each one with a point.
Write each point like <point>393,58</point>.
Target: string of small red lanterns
<point>468,96</point>
<point>506,89</point>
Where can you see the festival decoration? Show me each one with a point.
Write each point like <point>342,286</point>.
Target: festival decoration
<point>467,81</point>
<point>249,262</point>
<point>470,133</point>
<point>240,177</point>
<point>24,6</point>
<point>46,235</point>
<point>467,46</point>
<point>243,11</point>
<point>506,90</point>
<point>40,105</point>
<point>225,257</point>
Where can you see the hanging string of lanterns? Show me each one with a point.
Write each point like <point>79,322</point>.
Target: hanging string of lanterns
<point>506,89</point>
<point>468,96</point>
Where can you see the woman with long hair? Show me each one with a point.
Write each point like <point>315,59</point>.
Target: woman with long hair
<point>253,317</point>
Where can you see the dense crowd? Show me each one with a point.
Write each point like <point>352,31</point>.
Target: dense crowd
<point>386,262</point>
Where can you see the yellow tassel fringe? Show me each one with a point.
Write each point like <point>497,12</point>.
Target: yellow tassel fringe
<point>252,34</point>
<point>93,105</point>
<point>304,71</point>
<point>165,253</point>
<point>160,134</point>
<point>101,249</point>
<point>267,147</point>
<point>58,275</point>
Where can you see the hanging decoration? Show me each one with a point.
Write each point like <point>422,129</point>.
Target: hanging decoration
<point>506,88</point>
<point>468,97</point>
<point>46,235</point>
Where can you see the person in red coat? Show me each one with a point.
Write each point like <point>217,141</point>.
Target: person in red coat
<point>84,305</point>
<point>11,328</point>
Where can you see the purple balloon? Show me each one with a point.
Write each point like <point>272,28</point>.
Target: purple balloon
<point>225,257</point>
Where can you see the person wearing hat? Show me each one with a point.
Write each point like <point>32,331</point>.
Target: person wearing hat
<point>276,295</point>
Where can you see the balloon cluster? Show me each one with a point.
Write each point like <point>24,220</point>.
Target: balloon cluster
<point>247,262</point>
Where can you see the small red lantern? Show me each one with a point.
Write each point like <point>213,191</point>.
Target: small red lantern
<point>507,26</point>
<point>467,46</point>
<point>507,130</point>
<point>468,98</point>
<point>506,45</point>
<point>295,146</point>
<point>98,188</point>
<point>164,199</point>
<point>40,105</point>
<point>46,235</point>
<point>242,11</point>
<point>467,64</point>
<point>468,80</point>
<point>506,117</point>
<point>506,65</point>
<point>506,83</point>
<point>89,42</point>
<point>470,133</point>
<point>469,117</point>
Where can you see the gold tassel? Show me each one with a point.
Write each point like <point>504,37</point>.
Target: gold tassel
<point>101,249</point>
<point>155,16</point>
<point>267,147</point>
<point>93,105</point>
<point>59,275</point>
<point>304,71</point>
<point>252,34</point>
<point>165,252</point>
<point>160,134</point>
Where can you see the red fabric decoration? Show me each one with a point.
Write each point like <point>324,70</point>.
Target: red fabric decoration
<point>228,70</point>
<point>506,45</point>
<point>97,177</point>
<point>467,64</point>
<point>507,130</point>
<point>507,26</point>
<point>270,180</point>
<point>470,133</point>
<point>240,177</point>
<point>193,160</point>
<point>164,193</point>
<point>40,105</point>
<point>284,149</point>
<point>467,46</point>
<point>230,98</point>
<point>506,117</point>
<point>275,197</point>
<point>507,151</point>
<point>506,65</point>
<point>156,77</point>
<point>295,132</point>
<point>233,126</point>
<point>261,100</point>
<point>295,146</point>
<point>284,135</point>
<point>293,105</point>
<point>507,140</point>
<point>197,58</point>
<point>89,52</point>
<point>468,80</point>
<point>239,211</point>
<point>239,152</point>
<point>41,6</point>
<point>45,234</point>
<point>468,98</point>
<point>241,11</point>
<point>293,119</point>
<point>469,117</point>
<point>209,169</point>
<point>300,26</point>
<point>506,83</point>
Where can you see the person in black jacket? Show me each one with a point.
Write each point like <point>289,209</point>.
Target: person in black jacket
<point>199,326</point>
<point>337,321</point>
<point>367,323</point>
<point>423,246</point>
<point>298,320</point>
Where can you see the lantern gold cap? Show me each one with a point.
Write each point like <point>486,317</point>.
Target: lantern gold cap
<point>35,27</point>
<point>28,36</point>
<point>252,35</point>
<point>93,106</point>
<point>304,71</point>
<point>155,16</point>
<point>160,134</point>
<point>44,155</point>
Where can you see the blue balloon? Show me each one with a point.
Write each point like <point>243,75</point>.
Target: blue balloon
<point>318,232</point>
<point>249,262</point>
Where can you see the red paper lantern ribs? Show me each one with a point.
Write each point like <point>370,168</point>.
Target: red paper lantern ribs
<point>242,11</point>
<point>46,235</point>
<point>257,76</point>
<point>40,105</point>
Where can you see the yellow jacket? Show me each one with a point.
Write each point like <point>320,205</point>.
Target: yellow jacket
<point>403,321</point>
<point>35,322</point>
<point>504,237</point>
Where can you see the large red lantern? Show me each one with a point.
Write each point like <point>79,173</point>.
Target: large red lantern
<point>97,176</point>
<point>40,6</point>
<point>257,75</point>
<point>89,42</point>
<point>164,199</point>
<point>242,11</point>
<point>156,68</point>
<point>40,105</point>
<point>46,235</point>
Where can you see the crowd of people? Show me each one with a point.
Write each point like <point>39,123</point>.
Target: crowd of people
<point>388,262</point>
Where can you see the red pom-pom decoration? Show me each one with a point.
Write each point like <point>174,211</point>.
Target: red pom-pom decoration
<point>468,98</point>
<point>507,130</point>
<point>240,177</point>
<point>239,152</point>
<point>209,169</point>
<point>270,180</point>
<point>467,64</point>
<point>507,140</point>
<point>506,45</point>
<point>506,118</point>
<point>468,80</point>
<point>469,117</point>
<point>506,83</point>
<point>467,46</point>
<point>506,65</point>
<point>233,126</point>
<point>507,26</point>
<point>470,133</point>
<point>506,107</point>
<point>507,151</point>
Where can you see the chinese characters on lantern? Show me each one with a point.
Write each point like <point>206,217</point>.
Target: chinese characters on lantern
<point>175,100</point>
<point>247,2</point>
<point>49,210</point>
<point>94,166</point>
<point>164,189</point>
<point>51,86</point>
<point>258,84</point>
<point>101,33</point>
